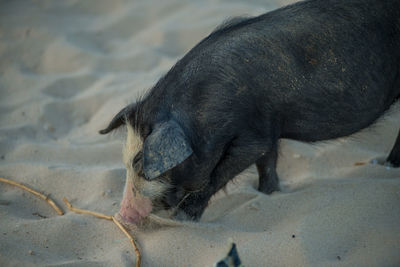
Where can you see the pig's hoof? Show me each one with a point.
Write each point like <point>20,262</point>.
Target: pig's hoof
<point>269,188</point>
<point>269,191</point>
<point>390,162</point>
<point>394,161</point>
<point>180,215</point>
<point>190,215</point>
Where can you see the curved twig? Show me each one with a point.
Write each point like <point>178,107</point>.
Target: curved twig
<point>36,193</point>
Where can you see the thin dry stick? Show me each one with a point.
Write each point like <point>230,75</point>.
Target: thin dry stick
<point>111,218</point>
<point>36,193</point>
<point>131,239</point>
<point>81,211</point>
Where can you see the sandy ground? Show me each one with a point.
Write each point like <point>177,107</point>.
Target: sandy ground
<point>66,67</point>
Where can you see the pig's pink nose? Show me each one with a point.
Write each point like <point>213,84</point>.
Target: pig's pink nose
<point>133,209</point>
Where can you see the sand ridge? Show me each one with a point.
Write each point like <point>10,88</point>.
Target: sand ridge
<point>68,66</point>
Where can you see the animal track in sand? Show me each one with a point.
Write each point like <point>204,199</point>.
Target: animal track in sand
<point>59,56</point>
<point>69,87</point>
<point>64,116</point>
<point>122,26</point>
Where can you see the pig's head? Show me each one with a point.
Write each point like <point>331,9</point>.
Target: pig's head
<point>150,153</point>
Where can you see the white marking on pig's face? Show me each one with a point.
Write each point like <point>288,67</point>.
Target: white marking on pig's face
<point>151,189</point>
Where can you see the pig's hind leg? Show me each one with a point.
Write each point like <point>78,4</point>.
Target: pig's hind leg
<point>394,156</point>
<point>266,167</point>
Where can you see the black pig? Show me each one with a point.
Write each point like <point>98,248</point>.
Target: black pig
<point>311,71</point>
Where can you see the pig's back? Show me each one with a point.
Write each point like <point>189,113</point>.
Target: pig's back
<point>326,68</point>
<point>321,69</point>
<point>342,69</point>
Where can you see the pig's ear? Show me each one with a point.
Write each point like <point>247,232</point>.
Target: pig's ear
<point>120,118</point>
<point>164,148</point>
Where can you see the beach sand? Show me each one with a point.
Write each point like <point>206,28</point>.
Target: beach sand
<point>66,67</point>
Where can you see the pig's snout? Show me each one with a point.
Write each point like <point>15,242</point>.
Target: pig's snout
<point>134,207</point>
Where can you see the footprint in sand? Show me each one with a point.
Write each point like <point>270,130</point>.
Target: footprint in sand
<point>121,26</point>
<point>60,117</point>
<point>68,87</point>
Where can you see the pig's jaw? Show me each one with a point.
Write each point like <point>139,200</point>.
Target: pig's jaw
<point>134,207</point>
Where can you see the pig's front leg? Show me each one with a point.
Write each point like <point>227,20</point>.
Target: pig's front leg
<point>266,167</point>
<point>394,156</point>
<point>242,152</point>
